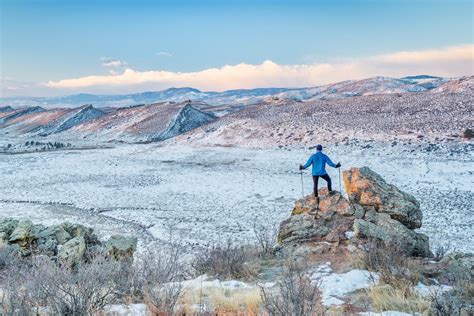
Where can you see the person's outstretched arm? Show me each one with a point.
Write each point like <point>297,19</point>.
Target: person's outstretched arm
<point>308,163</point>
<point>332,164</point>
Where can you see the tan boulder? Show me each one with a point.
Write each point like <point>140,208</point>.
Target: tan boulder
<point>369,189</point>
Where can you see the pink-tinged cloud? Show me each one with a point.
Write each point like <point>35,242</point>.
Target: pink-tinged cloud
<point>447,62</point>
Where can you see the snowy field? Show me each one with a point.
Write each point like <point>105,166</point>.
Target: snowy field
<point>209,194</point>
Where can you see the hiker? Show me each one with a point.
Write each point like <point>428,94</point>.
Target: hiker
<point>319,161</point>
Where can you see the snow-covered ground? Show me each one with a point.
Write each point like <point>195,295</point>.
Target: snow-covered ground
<point>210,194</point>
<point>335,286</point>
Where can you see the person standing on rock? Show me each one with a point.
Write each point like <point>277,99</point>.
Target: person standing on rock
<point>319,161</point>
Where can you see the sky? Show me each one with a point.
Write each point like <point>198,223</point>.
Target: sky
<point>60,47</point>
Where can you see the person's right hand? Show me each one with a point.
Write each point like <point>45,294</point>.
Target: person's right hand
<point>301,167</point>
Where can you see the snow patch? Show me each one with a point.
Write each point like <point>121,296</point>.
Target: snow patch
<point>389,313</point>
<point>126,310</point>
<point>428,290</point>
<point>204,281</point>
<point>335,286</point>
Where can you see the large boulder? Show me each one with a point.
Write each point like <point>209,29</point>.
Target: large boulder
<point>369,189</point>
<point>73,250</point>
<point>57,232</point>
<point>24,234</point>
<point>121,247</point>
<point>76,230</point>
<point>314,227</point>
<point>301,228</point>
<point>334,202</point>
<point>7,226</point>
<point>381,226</point>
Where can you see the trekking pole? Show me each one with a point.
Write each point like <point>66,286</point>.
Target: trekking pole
<point>302,185</point>
<point>340,186</point>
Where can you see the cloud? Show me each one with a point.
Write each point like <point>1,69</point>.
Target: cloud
<point>165,54</point>
<point>462,52</point>
<point>447,62</point>
<point>113,63</point>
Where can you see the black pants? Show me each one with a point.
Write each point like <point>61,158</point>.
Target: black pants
<point>315,181</point>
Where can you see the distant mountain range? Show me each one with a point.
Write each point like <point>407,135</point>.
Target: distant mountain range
<point>241,97</point>
<point>165,114</point>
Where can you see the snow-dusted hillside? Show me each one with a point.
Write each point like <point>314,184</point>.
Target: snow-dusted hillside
<point>375,85</point>
<point>417,117</point>
<point>375,108</point>
<point>157,121</point>
<point>37,121</point>
<point>187,119</point>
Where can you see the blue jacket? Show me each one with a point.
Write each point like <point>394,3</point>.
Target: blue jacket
<point>319,161</point>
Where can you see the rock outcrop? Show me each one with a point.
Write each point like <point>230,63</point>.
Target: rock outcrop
<point>368,189</point>
<point>121,247</point>
<point>65,242</point>
<point>375,210</point>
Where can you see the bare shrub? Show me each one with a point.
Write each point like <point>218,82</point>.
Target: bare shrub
<point>440,251</point>
<point>9,256</point>
<point>81,289</point>
<point>391,262</point>
<point>225,260</point>
<point>157,277</point>
<point>266,237</point>
<point>454,302</point>
<point>77,290</point>
<point>161,298</point>
<point>15,298</point>
<point>295,294</point>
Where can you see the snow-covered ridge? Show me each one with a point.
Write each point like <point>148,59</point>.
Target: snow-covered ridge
<point>376,106</point>
<point>150,122</point>
<point>374,85</point>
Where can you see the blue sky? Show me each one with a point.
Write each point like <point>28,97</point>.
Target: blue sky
<point>48,40</point>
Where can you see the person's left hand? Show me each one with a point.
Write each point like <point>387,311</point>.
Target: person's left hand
<point>338,165</point>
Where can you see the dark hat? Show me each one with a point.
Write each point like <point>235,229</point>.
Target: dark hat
<point>319,147</point>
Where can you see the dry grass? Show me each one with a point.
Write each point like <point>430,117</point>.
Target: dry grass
<point>402,298</point>
<point>222,301</point>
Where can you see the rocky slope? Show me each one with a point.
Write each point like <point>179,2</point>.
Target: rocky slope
<point>37,121</point>
<point>150,122</point>
<point>417,117</point>
<point>187,119</point>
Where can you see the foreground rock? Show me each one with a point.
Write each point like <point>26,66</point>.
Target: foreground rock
<point>65,242</point>
<point>375,210</point>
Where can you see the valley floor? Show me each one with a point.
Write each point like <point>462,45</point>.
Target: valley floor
<point>206,194</point>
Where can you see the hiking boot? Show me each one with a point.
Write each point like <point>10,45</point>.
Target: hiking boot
<point>331,193</point>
